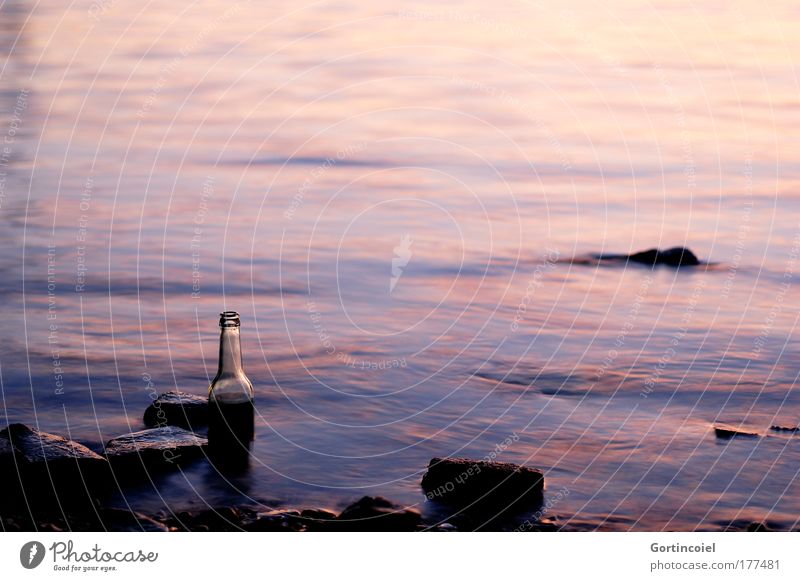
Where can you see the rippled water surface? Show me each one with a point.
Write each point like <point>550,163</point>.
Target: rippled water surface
<point>392,199</point>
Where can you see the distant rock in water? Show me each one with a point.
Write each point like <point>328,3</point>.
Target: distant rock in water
<point>785,429</point>
<point>677,256</point>
<point>163,447</point>
<point>479,486</point>
<point>176,408</point>
<point>725,433</point>
<point>758,527</point>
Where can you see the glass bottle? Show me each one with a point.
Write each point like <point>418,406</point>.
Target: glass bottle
<point>230,395</point>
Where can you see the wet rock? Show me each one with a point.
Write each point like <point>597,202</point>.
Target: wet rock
<point>677,256</point>
<point>52,469</point>
<point>176,408</point>
<point>34,447</point>
<point>317,514</point>
<point>785,429</point>
<point>758,527</point>
<point>224,519</point>
<point>479,486</point>
<point>376,514</point>
<point>41,462</point>
<point>164,447</point>
<point>727,433</point>
<point>6,455</point>
<point>116,520</point>
<point>274,521</point>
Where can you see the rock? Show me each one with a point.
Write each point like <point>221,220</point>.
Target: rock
<point>34,447</point>
<point>319,514</point>
<point>479,486</point>
<point>758,527</point>
<point>163,447</point>
<point>51,469</point>
<point>376,514</point>
<point>677,256</point>
<point>6,455</point>
<point>117,520</point>
<point>176,408</point>
<point>224,519</point>
<point>275,521</point>
<point>48,455</point>
<point>726,433</point>
<point>785,429</point>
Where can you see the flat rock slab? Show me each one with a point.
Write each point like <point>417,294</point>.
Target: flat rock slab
<point>176,408</point>
<point>157,447</point>
<point>727,433</point>
<point>32,446</point>
<point>486,485</point>
<point>50,467</point>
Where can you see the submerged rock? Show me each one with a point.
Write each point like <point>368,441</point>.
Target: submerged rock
<point>224,519</point>
<point>376,514</point>
<point>156,447</point>
<point>726,433</point>
<point>317,514</point>
<point>758,527</point>
<point>785,429</point>
<point>116,520</point>
<point>176,408</point>
<point>677,256</point>
<point>480,486</point>
<point>274,521</point>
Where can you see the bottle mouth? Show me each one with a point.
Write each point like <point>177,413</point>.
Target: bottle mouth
<point>229,319</point>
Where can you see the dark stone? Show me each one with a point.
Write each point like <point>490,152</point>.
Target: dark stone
<point>116,520</point>
<point>164,447</point>
<point>677,256</point>
<point>50,468</point>
<point>758,527</point>
<point>317,514</point>
<point>6,449</point>
<point>376,514</point>
<point>648,257</point>
<point>176,408</point>
<point>6,455</point>
<point>225,519</point>
<point>785,429</point>
<point>483,487</point>
<point>728,433</point>
<point>34,447</point>
<point>54,471</point>
<point>275,521</point>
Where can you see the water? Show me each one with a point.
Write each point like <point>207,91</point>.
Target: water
<point>391,199</point>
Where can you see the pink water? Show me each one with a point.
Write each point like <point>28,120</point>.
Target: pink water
<point>390,198</point>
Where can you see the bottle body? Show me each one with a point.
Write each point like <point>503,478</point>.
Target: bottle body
<point>231,384</point>
<point>230,396</point>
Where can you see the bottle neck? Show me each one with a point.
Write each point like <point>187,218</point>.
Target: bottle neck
<point>230,352</point>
